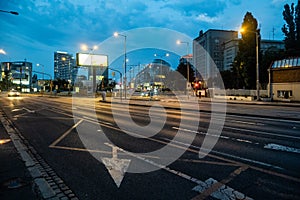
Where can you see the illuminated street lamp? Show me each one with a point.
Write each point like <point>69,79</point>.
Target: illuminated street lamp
<point>2,52</point>
<point>11,12</point>
<point>257,61</point>
<point>161,56</point>
<point>116,34</point>
<point>187,65</point>
<point>43,69</point>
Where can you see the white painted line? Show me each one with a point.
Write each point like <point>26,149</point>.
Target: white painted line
<point>224,192</point>
<point>243,122</point>
<point>262,132</point>
<point>281,148</point>
<point>221,136</point>
<point>231,156</point>
<point>265,119</point>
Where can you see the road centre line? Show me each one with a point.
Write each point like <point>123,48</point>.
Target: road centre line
<point>262,132</point>
<point>232,156</point>
<point>221,136</point>
<point>263,117</point>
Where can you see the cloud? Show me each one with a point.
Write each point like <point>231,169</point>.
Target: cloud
<point>205,18</point>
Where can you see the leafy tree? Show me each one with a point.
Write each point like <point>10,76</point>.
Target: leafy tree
<point>291,29</point>
<point>227,78</point>
<point>244,65</point>
<point>182,69</point>
<point>268,57</point>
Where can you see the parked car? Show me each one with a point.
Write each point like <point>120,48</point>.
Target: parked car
<point>13,93</point>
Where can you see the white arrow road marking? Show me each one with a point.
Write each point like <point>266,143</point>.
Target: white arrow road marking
<point>116,167</point>
<point>281,148</point>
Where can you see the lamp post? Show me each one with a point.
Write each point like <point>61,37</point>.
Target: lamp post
<point>187,65</point>
<point>11,12</point>
<point>86,48</point>
<point>116,34</point>
<point>257,60</point>
<point>43,68</point>
<point>38,64</point>
<point>161,56</point>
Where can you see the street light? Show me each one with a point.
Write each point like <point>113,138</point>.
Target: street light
<point>257,61</point>
<point>116,34</point>
<point>11,12</point>
<point>161,56</point>
<point>187,65</point>
<point>43,69</point>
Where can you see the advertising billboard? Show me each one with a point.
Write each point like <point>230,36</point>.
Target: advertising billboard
<point>96,60</point>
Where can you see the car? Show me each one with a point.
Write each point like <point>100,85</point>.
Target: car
<point>13,93</point>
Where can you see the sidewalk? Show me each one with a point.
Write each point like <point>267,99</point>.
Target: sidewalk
<point>15,181</point>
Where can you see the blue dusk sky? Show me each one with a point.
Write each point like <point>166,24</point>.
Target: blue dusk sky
<point>45,26</point>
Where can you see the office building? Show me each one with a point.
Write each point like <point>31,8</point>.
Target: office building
<point>64,66</point>
<point>208,50</point>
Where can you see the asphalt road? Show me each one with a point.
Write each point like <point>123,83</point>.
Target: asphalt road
<point>103,150</point>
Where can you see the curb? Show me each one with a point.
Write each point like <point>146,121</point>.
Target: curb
<point>47,185</point>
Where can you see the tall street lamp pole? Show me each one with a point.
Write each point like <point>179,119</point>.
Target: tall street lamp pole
<point>257,60</point>
<point>187,65</point>
<point>161,56</point>
<point>116,34</point>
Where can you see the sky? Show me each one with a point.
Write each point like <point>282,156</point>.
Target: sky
<point>45,26</point>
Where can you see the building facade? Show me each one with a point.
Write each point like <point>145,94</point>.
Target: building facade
<point>153,76</point>
<point>17,74</point>
<point>65,66</point>
<point>231,48</point>
<point>285,79</point>
<point>208,51</point>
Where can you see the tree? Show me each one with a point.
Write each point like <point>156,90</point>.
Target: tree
<point>291,29</point>
<point>244,65</point>
<point>182,69</point>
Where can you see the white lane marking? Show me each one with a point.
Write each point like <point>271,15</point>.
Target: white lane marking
<point>262,132</point>
<point>218,194</point>
<point>281,148</point>
<point>231,156</point>
<point>249,123</point>
<point>115,166</point>
<point>95,120</point>
<point>265,119</point>
<point>221,136</point>
<point>224,192</point>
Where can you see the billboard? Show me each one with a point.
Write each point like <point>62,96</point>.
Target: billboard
<point>86,59</point>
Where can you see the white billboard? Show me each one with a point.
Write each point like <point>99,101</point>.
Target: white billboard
<point>86,59</point>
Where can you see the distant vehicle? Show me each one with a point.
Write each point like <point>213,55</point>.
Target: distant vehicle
<point>13,93</point>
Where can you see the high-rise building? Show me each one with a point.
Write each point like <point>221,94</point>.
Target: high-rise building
<point>64,66</point>
<point>208,50</point>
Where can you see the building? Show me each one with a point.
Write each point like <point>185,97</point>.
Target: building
<point>154,75</point>
<point>208,50</point>
<point>285,79</point>
<point>64,66</point>
<point>17,74</point>
<point>231,48</point>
